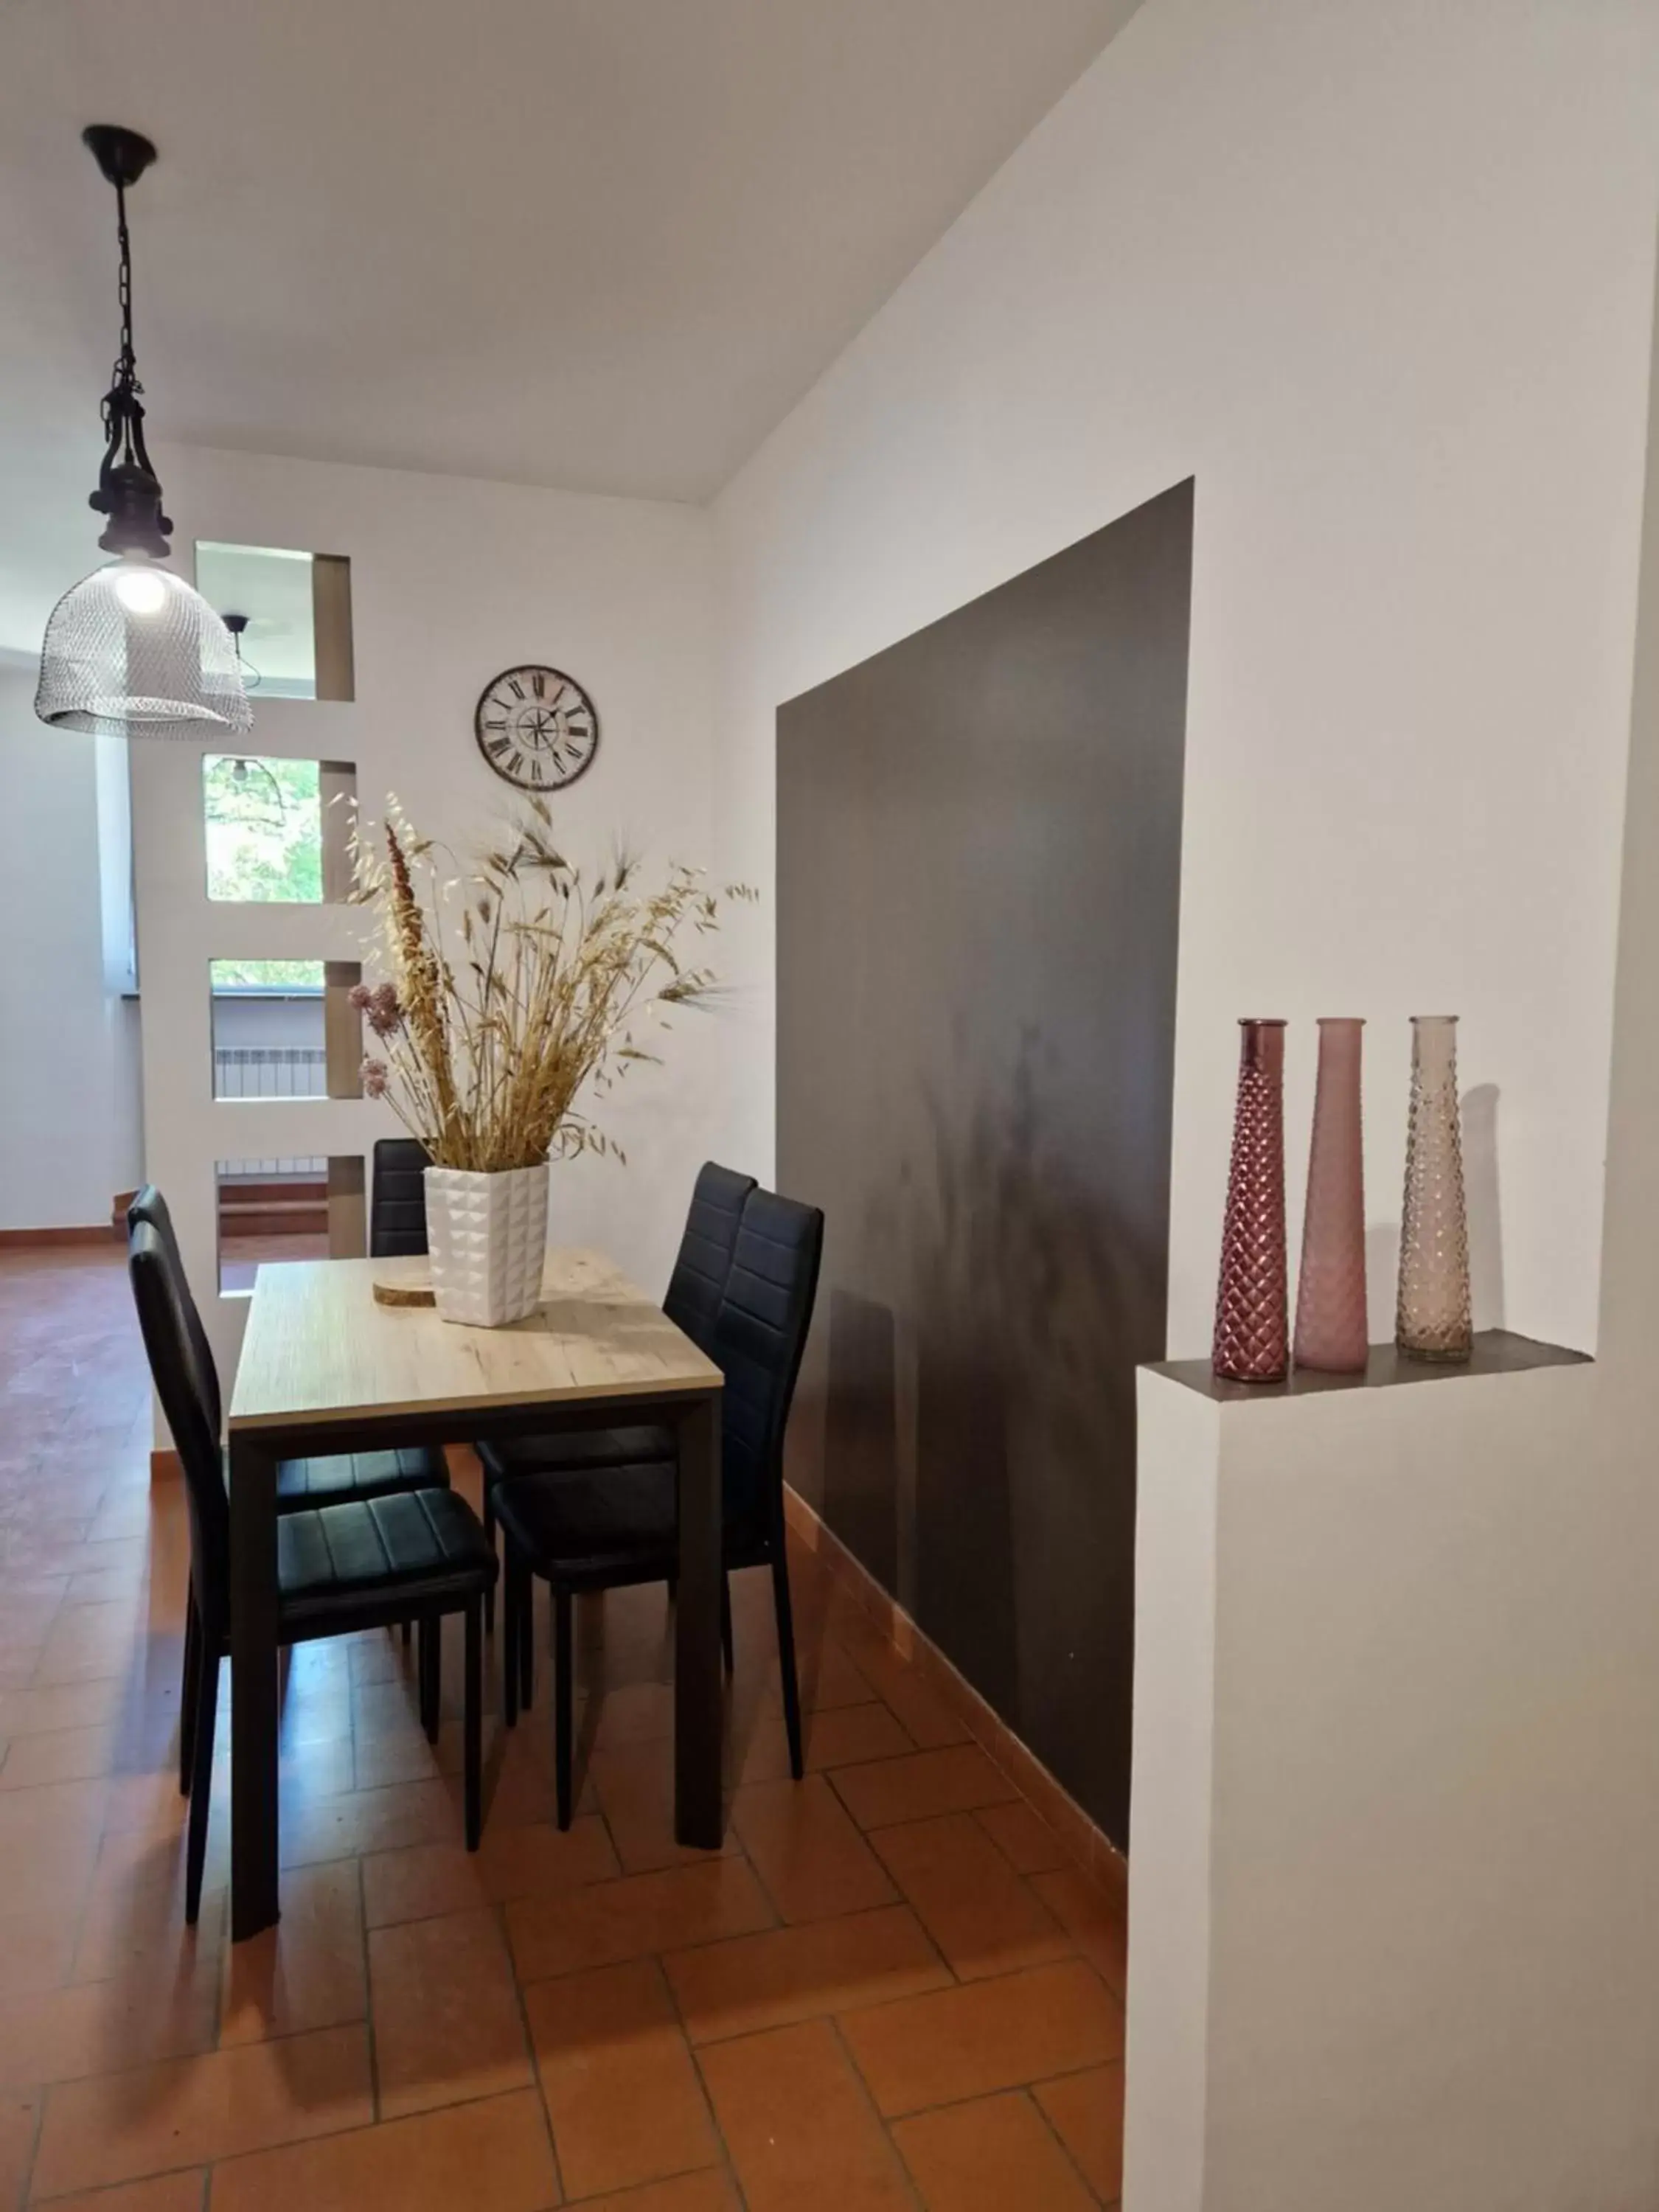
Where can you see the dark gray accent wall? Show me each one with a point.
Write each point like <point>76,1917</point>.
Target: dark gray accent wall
<point>978,859</point>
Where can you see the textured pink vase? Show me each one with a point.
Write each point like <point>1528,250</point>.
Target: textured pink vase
<point>1433,1320</point>
<point>1330,1289</point>
<point>1252,1320</point>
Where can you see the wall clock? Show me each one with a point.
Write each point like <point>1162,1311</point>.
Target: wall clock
<point>536,727</point>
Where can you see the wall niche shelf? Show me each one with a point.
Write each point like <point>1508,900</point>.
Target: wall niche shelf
<point>1496,1351</point>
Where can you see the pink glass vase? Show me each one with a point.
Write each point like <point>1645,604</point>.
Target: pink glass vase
<point>1433,1317</point>
<point>1252,1322</point>
<point>1330,1289</point>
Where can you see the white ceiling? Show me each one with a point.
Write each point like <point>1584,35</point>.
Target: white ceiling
<point>603,244</point>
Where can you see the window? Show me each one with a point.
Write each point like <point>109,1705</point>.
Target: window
<point>277,831</point>
<point>268,1031</point>
<point>285,1029</point>
<point>276,1209</point>
<point>292,613</point>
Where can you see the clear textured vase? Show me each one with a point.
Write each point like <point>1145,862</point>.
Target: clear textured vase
<point>1252,1320</point>
<point>1331,1331</point>
<point>1433,1321</point>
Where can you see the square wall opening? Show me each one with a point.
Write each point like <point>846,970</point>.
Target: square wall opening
<point>285,1029</point>
<point>292,613</point>
<point>277,831</point>
<point>270,1211</point>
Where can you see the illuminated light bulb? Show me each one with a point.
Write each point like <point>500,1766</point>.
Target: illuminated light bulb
<point>141,591</point>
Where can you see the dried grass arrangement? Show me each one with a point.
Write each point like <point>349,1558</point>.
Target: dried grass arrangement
<point>514,985</point>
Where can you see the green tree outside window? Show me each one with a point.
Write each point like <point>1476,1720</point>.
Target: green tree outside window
<point>265,828</point>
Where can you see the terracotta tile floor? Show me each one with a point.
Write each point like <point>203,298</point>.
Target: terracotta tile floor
<point>892,1989</point>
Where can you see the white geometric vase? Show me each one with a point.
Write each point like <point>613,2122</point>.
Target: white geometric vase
<point>487,1237</point>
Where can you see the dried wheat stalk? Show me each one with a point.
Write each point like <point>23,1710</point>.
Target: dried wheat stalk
<point>489,1041</point>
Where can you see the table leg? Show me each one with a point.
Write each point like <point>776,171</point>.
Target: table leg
<point>698,1716</point>
<point>253,1715</point>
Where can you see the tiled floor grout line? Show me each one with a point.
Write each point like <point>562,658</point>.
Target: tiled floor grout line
<point>28,2183</point>
<point>759,1879</point>
<point>882,2004</point>
<point>368,1970</point>
<point>727,2159</point>
<point>1029,2092</point>
<point>108,2188</point>
<point>978,2096</point>
<point>875,2111</point>
<point>562,2196</point>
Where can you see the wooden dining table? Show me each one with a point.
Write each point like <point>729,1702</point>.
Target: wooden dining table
<point>325,1369</point>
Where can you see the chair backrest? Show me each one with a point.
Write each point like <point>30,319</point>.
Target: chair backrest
<point>711,1221</point>
<point>158,1293</point>
<point>760,1334</point>
<point>398,1208</point>
<point>148,1205</point>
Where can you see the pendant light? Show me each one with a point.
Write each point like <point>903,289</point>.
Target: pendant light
<point>132,651</point>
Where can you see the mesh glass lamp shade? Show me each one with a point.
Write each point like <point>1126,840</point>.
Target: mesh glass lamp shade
<point>134,652</point>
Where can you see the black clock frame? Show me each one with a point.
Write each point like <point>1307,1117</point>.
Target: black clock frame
<point>540,668</point>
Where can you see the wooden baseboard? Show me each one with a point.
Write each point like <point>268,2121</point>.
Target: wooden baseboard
<point>165,1466</point>
<point>17,1240</point>
<point>1089,1846</point>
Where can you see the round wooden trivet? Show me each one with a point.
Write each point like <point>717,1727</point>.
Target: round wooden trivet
<point>406,1282</point>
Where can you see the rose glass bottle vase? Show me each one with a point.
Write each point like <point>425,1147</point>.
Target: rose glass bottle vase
<point>1433,1317</point>
<point>1331,1332</point>
<point>1252,1322</point>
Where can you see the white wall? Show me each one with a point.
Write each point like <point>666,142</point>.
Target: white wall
<point>1394,1921</point>
<point>452,582</point>
<point>69,1090</point>
<point>271,1022</point>
<point>1379,278</point>
<point>1393,1930</point>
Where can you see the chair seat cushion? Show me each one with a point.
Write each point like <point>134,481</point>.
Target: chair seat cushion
<point>350,1475</point>
<point>620,1520</point>
<point>576,1449</point>
<point>417,1546</point>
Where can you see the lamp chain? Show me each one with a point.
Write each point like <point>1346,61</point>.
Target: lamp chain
<point>124,384</point>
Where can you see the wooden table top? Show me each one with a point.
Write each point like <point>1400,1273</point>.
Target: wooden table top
<point>318,1343</point>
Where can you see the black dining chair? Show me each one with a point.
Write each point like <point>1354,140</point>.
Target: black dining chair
<point>345,1478</point>
<point>397,1216</point>
<point>300,1483</point>
<point>691,1302</point>
<point>340,1568</point>
<point>607,1528</point>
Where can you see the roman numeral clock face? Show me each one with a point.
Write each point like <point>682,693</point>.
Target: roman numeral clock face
<point>537,728</point>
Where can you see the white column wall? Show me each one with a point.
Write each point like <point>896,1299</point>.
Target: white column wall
<point>1409,1821</point>
<point>1408,1810</point>
<point>452,582</point>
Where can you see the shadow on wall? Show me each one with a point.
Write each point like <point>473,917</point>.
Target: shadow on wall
<point>979,1430</point>
<point>979,849</point>
<point>861,1497</point>
<point>1485,1217</point>
<point>1381,1279</point>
